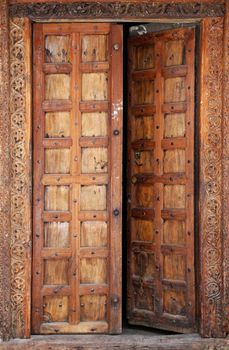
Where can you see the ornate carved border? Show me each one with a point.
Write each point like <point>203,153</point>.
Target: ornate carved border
<point>117,10</point>
<point>226,169</point>
<point>5,320</point>
<point>211,239</point>
<point>20,178</point>
<point>211,123</point>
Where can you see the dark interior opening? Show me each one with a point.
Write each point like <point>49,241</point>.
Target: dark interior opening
<point>139,29</point>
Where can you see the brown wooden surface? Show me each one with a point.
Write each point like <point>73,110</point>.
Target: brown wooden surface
<point>69,1</point>
<point>161,284</point>
<point>131,339</point>
<point>5,173</point>
<point>225,165</point>
<point>211,249</point>
<point>77,179</point>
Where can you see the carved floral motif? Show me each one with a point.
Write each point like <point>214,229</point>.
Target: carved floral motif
<point>117,9</point>
<point>211,239</point>
<point>211,181</point>
<point>5,319</point>
<point>20,197</point>
<point>226,170</point>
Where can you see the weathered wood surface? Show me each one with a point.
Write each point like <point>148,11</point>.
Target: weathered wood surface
<point>122,342</point>
<point>215,285</point>
<point>210,187</point>
<point>122,1</point>
<point>5,180</point>
<point>124,10</point>
<point>21,146</point>
<point>225,165</point>
<point>161,273</point>
<point>76,253</point>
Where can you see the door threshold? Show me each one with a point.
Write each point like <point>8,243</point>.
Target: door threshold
<point>109,342</point>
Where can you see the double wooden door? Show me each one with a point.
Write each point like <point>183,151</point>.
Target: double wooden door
<point>77,217</point>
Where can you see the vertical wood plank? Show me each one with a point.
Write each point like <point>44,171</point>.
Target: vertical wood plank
<point>38,165</point>
<point>115,271</point>
<point>75,188</point>
<point>28,199</point>
<point>191,240</point>
<point>158,197</point>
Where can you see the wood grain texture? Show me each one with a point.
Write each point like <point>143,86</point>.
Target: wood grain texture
<point>140,341</point>
<point>211,244</point>
<point>159,1</point>
<point>123,10</point>
<point>21,227</point>
<point>225,165</point>
<point>5,170</point>
<point>74,166</point>
<point>161,277</point>
<point>17,302</point>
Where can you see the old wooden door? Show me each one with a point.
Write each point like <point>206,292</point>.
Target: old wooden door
<point>161,282</point>
<point>77,178</point>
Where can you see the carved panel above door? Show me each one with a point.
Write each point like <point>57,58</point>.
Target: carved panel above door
<point>117,10</point>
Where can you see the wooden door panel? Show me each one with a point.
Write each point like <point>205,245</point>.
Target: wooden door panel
<point>161,283</point>
<point>77,90</point>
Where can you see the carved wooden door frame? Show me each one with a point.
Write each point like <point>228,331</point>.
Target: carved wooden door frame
<point>15,151</point>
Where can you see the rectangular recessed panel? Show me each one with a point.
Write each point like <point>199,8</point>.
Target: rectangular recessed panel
<point>57,48</point>
<point>55,309</point>
<point>93,308</point>
<point>144,57</point>
<point>143,297</point>
<point>143,161</point>
<point>94,86</point>
<point>174,232</point>
<point>144,128</point>
<point>143,92</point>
<point>174,161</point>
<point>93,197</point>
<point>57,198</point>
<point>94,124</point>
<point>57,87</point>
<point>175,89</point>
<point>174,267</point>
<point>56,271</point>
<point>94,160</point>
<point>144,230</point>
<point>144,265</point>
<point>93,270</point>
<point>93,234</point>
<point>174,302</point>
<point>174,125</point>
<point>57,124</point>
<point>56,234</point>
<point>174,53</point>
<point>94,48</point>
<point>174,196</point>
<point>57,161</point>
<point>144,196</point>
